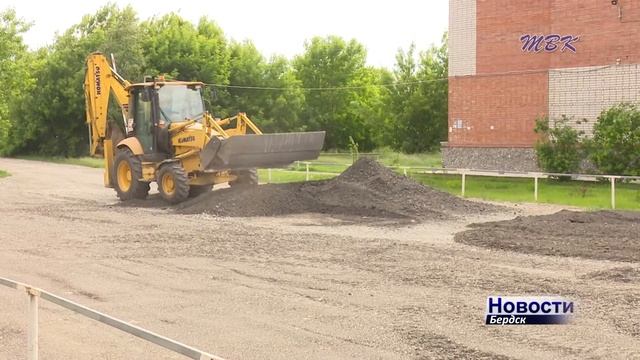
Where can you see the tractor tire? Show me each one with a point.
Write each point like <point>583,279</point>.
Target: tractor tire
<point>245,177</point>
<point>173,183</point>
<point>126,175</point>
<point>195,190</point>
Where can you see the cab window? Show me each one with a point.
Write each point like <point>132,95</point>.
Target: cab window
<point>180,103</point>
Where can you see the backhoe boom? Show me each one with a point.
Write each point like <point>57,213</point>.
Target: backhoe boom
<point>100,81</point>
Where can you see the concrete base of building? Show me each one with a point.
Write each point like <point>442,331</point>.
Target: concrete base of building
<point>487,158</point>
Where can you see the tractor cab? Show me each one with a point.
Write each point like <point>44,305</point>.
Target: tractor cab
<point>155,106</point>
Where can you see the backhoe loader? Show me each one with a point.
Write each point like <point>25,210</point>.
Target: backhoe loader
<point>165,135</point>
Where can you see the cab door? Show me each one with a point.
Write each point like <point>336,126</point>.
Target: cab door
<point>143,118</point>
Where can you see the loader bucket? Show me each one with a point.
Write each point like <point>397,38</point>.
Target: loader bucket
<point>261,151</point>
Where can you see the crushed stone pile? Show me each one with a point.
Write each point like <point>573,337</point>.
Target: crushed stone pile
<point>366,189</point>
<point>603,235</point>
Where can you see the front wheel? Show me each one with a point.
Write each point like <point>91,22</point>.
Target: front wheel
<point>173,183</point>
<point>127,172</point>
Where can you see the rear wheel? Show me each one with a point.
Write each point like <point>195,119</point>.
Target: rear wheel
<point>127,172</point>
<point>195,190</point>
<point>245,177</point>
<point>173,183</point>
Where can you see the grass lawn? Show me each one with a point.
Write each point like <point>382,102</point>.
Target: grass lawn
<point>3,174</point>
<point>585,194</point>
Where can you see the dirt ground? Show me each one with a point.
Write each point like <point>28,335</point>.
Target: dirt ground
<point>292,287</point>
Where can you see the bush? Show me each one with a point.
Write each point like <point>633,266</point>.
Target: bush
<point>615,148</point>
<point>559,148</point>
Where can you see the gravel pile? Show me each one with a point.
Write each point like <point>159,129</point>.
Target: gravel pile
<point>366,189</point>
<point>606,235</point>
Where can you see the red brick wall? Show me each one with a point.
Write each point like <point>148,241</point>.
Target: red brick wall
<point>500,23</point>
<point>512,102</point>
<point>604,38</point>
<point>509,103</point>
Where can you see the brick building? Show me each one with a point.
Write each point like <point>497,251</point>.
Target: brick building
<point>512,61</point>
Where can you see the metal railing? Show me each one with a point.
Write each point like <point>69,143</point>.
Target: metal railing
<point>35,294</point>
<point>536,176</point>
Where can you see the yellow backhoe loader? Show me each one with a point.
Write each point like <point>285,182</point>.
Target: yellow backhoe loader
<point>167,136</point>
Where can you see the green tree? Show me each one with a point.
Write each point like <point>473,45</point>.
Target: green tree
<point>282,108</point>
<point>14,70</point>
<point>331,62</point>
<point>52,116</point>
<point>183,51</point>
<point>398,99</point>
<point>420,100</point>
<point>367,109</point>
<point>247,68</point>
<point>616,141</point>
<point>267,91</point>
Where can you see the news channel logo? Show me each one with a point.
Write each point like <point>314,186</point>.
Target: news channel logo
<point>515,310</point>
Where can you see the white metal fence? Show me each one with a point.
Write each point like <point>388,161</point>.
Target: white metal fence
<point>35,294</point>
<point>535,176</point>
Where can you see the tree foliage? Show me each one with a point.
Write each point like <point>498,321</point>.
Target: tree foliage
<point>559,148</point>
<point>51,114</point>
<point>331,62</point>
<point>175,47</point>
<point>282,108</point>
<point>419,102</point>
<point>327,87</point>
<point>14,70</point>
<point>267,90</point>
<point>615,147</point>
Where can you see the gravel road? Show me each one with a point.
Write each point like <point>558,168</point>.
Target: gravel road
<point>300,286</point>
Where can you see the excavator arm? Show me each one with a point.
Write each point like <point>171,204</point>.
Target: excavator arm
<point>101,81</point>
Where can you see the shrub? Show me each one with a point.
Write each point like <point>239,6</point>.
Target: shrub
<point>559,148</point>
<point>615,148</point>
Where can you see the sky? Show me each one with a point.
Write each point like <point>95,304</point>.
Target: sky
<point>275,26</point>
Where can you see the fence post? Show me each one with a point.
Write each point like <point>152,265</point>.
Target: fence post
<point>535,188</point>
<point>464,180</point>
<point>613,192</point>
<point>34,295</point>
<point>32,331</point>
<point>269,176</point>
<point>307,178</point>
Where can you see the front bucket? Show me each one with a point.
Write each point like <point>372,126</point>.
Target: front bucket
<point>261,151</point>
